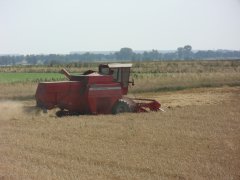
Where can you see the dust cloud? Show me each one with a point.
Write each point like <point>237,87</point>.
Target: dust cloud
<point>12,110</point>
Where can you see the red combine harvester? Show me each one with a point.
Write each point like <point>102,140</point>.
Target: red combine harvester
<point>93,93</point>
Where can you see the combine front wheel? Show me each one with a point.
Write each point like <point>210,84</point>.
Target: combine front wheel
<point>120,107</point>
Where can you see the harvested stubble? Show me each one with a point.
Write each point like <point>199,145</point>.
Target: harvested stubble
<point>192,141</point>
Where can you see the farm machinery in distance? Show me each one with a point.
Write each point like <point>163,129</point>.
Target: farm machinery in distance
<point>101,92</point>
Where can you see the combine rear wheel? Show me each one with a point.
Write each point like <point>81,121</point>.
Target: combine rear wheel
<point>120,107</point>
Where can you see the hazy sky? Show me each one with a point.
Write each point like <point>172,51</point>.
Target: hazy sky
<point>61,26</point>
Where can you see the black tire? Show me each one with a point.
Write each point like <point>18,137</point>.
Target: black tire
<point>60,113</point>
<point>121,106</point>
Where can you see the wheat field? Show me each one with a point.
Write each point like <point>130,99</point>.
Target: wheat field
<point>197,137</point>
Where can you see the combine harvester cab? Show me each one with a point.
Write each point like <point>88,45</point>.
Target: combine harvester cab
<point>101,92</point>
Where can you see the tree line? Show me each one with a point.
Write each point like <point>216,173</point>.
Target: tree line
<point>124,54</point>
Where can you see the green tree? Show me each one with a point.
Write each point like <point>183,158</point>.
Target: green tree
<point>125,54</point>
<point>185,52</point>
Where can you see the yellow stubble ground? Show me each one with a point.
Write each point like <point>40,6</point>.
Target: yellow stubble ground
<point>197,137</point>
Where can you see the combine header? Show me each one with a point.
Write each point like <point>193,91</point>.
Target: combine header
<point>101,92</point>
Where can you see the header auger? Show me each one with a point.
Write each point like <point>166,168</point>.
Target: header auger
<point>101,92</point>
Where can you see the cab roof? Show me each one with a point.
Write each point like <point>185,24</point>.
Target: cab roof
<point>117,65</point>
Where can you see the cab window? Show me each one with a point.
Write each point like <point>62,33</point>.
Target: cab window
<point>104,70</point>
<point>116,73</point>
<point>125,76</point>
